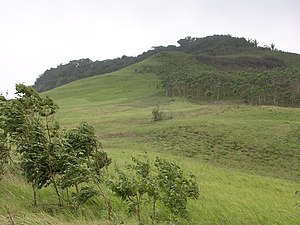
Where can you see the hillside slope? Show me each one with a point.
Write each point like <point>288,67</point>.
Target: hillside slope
<point>245,158</point>
<point>266,138</point>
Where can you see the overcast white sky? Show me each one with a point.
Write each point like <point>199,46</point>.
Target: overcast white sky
<point>36,35</point>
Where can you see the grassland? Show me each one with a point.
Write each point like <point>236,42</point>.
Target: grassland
<point>246,159</point>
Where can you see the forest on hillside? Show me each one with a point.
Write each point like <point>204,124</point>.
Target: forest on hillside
<point>253,80</point>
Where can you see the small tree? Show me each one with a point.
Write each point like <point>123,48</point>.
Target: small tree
<point>157,114</point>
<point>161,181</point>
<point>175,187</point>
<point>4,149</point>
<point>130,188</point>
<point>29,121</point>
<point>255,43</point>
<point>49,155</point>
<point>272,46</point>
<point>82,162</point>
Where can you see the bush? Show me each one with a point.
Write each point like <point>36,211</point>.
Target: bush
<point>147,183</point>
<point>157,114</point>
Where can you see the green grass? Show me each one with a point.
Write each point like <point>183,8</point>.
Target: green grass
<point>227,197</point>
<point>245,158</point>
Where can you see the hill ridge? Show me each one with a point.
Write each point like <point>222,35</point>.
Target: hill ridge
<point>214,45</point>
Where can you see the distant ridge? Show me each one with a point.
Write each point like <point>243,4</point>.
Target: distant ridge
<point>82,68</point>
<point>216,67</point>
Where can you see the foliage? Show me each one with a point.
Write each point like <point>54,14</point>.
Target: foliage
<point>157,114</point>
<point>4,148</point>
<point>161,181</point>
<point>82,196</point>
<point>175,187</point>
<point>29,120</point>
<point>49,155</point>
<point>82,163</point>
<point>214,45</point>
<point>4,152</point>
<point>265,81</point>
<point>131,188</point>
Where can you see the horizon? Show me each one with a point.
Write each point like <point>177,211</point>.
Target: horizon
<point>39,35</point>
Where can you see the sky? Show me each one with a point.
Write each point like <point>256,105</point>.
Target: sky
<point>36,35</point>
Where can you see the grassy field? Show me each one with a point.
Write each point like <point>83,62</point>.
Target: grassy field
<point>246,159</point>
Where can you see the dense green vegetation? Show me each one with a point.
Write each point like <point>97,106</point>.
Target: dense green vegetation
<point>257,81</point>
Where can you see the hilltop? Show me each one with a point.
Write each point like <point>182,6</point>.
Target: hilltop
<point>217,67</point>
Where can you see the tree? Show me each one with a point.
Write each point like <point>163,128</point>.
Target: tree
<point>255,43</point>
<point>4,152</point>
<point>49,155</point>
<point>175,187</point>
<point>272,46</point>
<point>4,146</point>
<point>186,42</point>
<point>29,119</point>
<point>161,181</point>
<point>131,188</point>
<point>82,163</point>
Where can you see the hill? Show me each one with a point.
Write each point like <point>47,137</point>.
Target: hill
<point>82,68</point>
<point>245,158</point>
<point>130,93</point>
<point>216,67</point>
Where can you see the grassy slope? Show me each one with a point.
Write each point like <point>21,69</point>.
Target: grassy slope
<point>235,151</point>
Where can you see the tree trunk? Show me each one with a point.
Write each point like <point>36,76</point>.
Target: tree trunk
<point>154,212</point>
<point>56,190</point>
<point>138,211</point>
<point>77,188</point>
<point>34,195</point>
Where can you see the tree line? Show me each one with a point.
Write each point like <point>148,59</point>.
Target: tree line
<point>82,68</point>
